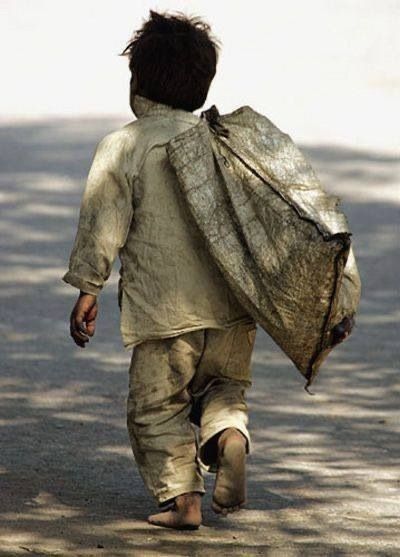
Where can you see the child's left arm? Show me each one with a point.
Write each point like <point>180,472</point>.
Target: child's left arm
<point>104,219</point>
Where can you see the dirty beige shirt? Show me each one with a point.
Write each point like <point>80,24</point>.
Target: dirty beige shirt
<point>131,208</point>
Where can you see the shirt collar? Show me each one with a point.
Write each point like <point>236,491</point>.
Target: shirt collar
<point>143,106</point>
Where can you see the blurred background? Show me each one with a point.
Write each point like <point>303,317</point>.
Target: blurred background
<point>324,472</point>
<point>323,71</point>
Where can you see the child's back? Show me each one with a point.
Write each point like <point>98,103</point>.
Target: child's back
<point>192,340</point>
<point>169,284</point>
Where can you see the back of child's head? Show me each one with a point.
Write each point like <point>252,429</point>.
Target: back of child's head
<point>174,59</point>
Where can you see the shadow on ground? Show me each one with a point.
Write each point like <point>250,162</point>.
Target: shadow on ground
<point>323,475</point>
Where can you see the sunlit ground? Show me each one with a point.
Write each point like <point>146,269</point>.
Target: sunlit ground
<point>324,472</point>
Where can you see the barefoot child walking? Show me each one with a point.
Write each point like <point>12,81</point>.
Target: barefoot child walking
<point>191,340</point>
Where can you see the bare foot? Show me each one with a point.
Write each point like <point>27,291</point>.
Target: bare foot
<point>186,514</point>
<point>230,484</point>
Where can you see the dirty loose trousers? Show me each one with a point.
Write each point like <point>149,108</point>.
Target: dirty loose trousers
<point>200,378</point>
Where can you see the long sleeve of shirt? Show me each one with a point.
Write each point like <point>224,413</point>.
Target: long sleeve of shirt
<point>132,208</point>
<point>105,216</point>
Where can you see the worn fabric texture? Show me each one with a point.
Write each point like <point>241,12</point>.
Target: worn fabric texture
<point>132,208</point>
<point>199,378</point>
<point>279,239</point>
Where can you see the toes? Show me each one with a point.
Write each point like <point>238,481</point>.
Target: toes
<point>216,508</point>
<point>153,520</point>
<point>219,509</point>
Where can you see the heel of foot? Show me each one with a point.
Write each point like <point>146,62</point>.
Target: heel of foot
<point>230,484</point>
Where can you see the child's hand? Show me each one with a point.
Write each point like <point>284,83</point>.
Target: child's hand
<point>83,318</point>
<point>343,330</point>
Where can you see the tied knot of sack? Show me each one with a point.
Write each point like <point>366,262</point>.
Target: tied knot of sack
<point>212,117</point>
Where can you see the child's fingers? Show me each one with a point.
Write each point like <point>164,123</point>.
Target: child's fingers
<point>91,320</point>
<point>90,327</point>
<point>79,342</point>
<point>79,335</point>
<point>78,330</point>
<point>79,325</point>
<point>82,328</point>
<point>79,339</point>
<point>82,322</point>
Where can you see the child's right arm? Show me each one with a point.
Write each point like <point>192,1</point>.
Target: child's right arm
<point>104,219</point>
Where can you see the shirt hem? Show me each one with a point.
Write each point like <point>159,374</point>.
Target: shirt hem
<point>132,341</point>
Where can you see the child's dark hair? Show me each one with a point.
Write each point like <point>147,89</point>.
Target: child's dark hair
<point>174,59</point>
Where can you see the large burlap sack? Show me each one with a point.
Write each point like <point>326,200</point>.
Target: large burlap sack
<point>279,239</point>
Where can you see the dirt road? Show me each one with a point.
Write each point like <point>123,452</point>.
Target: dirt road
<point>324,473</point>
